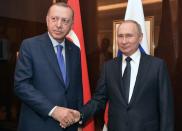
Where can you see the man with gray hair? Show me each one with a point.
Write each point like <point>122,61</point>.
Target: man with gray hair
<point>136,86</point>
<point>48,76</point>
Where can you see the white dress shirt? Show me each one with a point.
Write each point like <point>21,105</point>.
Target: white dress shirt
<point>134,69</point>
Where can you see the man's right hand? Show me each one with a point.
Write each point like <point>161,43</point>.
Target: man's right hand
<point>65,116</point>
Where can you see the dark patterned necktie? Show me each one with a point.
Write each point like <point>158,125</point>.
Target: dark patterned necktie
<point>61,62</point>
<point>126,78</point>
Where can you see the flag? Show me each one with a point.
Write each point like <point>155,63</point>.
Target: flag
<point>76,35</point>
<point>106,118</point>
<point>134,11</point>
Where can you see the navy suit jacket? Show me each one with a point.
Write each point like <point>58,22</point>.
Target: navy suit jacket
<point>40,86</point>
<point>151,105</point>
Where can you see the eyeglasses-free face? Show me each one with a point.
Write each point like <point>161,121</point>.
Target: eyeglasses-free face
<point>128,38</point>
<point>59,22</point>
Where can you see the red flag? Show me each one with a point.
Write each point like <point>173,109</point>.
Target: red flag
<point>106,118</point>
<point>76,35</point>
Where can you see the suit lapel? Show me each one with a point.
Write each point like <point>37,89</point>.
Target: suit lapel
<point>118,76</point>
<point>51,56</point>
<point>142,72</point>
<point>69,59</point>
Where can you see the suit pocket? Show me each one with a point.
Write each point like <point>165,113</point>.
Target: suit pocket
<point>152,126</point>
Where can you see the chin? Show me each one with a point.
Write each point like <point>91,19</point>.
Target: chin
<point>58,37</point>
<point>126,53</point>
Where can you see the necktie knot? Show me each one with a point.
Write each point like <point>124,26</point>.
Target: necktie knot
<point>128,59</point>
<point>59,48</point>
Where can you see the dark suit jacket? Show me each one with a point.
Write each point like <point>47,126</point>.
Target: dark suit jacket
<point>151,105</point>
<point>40,86</point>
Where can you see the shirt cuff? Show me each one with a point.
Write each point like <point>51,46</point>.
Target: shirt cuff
<point>80,122</point>
<point>50,113</point>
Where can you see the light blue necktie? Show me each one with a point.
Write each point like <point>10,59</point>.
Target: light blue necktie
<point>61,62</point>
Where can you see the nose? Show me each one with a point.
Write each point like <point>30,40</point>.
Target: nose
<point>59,23</point>
<point>124,40</point>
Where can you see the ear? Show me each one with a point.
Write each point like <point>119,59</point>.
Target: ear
<point>141,37</point>
<point>72,23</point>
<point>47,20</point>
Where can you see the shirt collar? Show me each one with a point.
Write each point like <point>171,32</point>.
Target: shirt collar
<point>135,56</point>
<point>56,43</point>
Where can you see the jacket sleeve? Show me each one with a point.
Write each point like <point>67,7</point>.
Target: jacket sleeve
<point>99,99</point>
<point>23,83</point>
<point>165,100</point>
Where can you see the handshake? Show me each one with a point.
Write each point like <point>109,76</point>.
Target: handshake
<point>66,116</point>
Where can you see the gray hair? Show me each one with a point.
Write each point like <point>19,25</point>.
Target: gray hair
<point>62,4</point>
